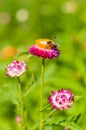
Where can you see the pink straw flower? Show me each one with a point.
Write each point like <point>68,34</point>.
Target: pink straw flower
<point>44,48</point>
<point>62,99</point>
<point>16,68</point>
<point>18,119</point>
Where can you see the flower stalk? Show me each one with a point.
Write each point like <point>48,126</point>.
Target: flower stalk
<point>41,96</point>
<point>50,114</point>
<point>21,104</point>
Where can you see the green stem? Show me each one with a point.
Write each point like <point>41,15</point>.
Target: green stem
<point>41,96</point>
<point>50,114</point>
<point>21,104</point>
<point>30,85</point>
<point>46,106</point>
<point>44,120</point>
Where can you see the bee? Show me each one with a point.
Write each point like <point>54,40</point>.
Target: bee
<point>45,43</point>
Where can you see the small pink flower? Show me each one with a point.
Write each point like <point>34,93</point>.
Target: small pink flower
<point>62,99</point>
<point>44,48</point>
<point>18,119</point>
<point>16,68</point>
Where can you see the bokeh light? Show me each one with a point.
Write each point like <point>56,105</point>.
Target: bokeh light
<point>8,51</point>
<point>4,18</point>
<point>22,15</point>
<point>69,7</point>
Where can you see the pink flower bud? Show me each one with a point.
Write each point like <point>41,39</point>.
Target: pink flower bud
<point>16,68</point>
<point>18,119</point>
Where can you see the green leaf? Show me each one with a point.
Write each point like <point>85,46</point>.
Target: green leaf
<point>78,97</point>
<point>46,107</point>
<point>54,120</point>
<point>71,125</point>
<point>23,53</point>
<point>63,122</point>
<point>14,101</point>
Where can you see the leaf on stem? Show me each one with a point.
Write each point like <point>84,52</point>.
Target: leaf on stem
<point>78,97</point>
<point>72,125</point>
<point>23,53</point>
<point>63,122</point>
<point>46,107</point>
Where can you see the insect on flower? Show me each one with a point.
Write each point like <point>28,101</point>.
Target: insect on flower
<point>45,48</point>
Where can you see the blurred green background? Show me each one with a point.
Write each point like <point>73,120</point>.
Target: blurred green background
<point>21,23</point>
